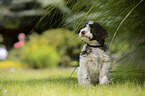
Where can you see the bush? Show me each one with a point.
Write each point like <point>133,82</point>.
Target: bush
<point>63,40</point>
<point>53,47</point>
<point>16,54</point>
<point>43,56</point>
<point>36,53</point>
<point>9,64</point>
<point>67,43</point>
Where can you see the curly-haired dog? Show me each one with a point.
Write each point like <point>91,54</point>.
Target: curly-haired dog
<point>94,64</point>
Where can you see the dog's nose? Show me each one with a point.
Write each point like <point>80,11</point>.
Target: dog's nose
<point>83,32</point>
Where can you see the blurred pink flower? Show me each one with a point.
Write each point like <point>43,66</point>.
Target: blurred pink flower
<point>19,44</point>
<point>21,36</point>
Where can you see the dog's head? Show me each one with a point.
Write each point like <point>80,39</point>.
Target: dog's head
<point>93,33</point>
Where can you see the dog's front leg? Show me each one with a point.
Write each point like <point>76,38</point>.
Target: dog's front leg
<point>83,75</point>
<point>104,73</point>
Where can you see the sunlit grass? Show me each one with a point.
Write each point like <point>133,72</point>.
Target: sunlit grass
<point>55,82</point>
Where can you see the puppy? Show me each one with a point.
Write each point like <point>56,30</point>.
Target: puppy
<point>94,64</point>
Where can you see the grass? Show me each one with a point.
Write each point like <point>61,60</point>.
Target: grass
<point>55,82</point>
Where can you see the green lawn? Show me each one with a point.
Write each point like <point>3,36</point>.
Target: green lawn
<point>55,82</point>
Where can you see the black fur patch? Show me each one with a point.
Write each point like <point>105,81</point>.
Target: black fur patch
<point>99,34</point>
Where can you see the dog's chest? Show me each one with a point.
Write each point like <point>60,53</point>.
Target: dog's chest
<point>93,53</point>
<point>94,58</point>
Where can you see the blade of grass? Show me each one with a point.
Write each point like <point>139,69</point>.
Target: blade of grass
<point>123,21</point>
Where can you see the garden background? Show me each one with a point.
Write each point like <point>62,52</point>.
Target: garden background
<point>50,49</point>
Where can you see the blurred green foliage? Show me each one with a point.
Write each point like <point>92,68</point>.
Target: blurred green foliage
<point>8,64</point>
<point>35,55</point>
<point>41,56</point>
<point>1,40</point>
<point>119,46</point>
<point>52,48</point>
<point>67,43</point>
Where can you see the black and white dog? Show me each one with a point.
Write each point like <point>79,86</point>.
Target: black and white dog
<point>94,64</point>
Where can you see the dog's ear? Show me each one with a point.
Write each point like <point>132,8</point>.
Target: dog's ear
<point>103,34</point>
<point>98,32</point>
